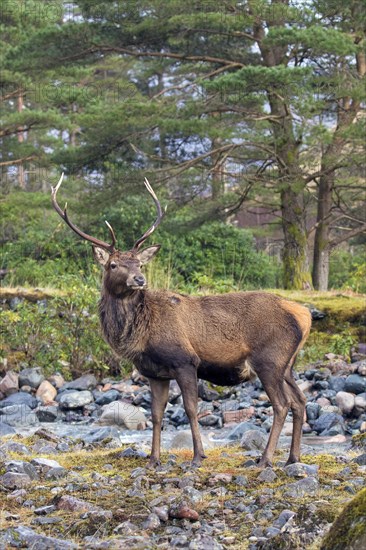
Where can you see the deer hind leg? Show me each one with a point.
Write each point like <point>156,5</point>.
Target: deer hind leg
<point>159,400</point>
<point>298,402</point>
<point>186,378</point>
<point>280,400</point>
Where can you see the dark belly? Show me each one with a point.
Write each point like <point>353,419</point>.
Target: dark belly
<point>220,375</point>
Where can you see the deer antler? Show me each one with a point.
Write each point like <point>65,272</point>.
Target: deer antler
<point>63,214</point>
<point>160,212</point>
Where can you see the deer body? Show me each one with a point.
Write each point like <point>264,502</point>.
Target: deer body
<point>224,339</point>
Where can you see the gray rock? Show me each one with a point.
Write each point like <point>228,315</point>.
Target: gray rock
<point>210,420</point>
<point>19,398</point>
<point>192,495</point>
<point>126,528</point>
<point>15,480</point>
<point>45,464</point>
<point>183,440</point>
<point>85,382</point>
<point>345,401</point>
<point>18,415</point>
<point>355,383</point>
<point>360,460</point>
<point>271,532</point>
<point>337,383</point>
<point>205,393</point>
<point>48,414</point>
<point>328,422</point>
<point>284,517</point>
<point>75,399</point>
<point>121,413</point>
<point>162,512</point>
<point>241,481</point>
<point>130,452</point>
<point>31,377</point>
<point>253,440</point>
<point>360,366</point>
<point>151,522</point>
<point>360,404</point>
<point>303,487</point>
<point>203,542</point>
<point>174,391</point>
<point>9,384</point>
<point>237,432</point>
<point>97,435</point>
<point>298,469</point>
<point>267,475</point>
<point>312,411</point>
<point>15,447</point>
<point>56,473</point>
<point>44,510</point>
<point>6,429</point>
<point>21,467</point>
<point>25,537</point>
<point>178,416</point>
<point>107,397</point>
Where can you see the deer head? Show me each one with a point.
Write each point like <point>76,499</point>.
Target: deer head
<point>122,270</point>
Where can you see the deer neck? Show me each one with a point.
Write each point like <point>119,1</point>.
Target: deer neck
<point>124,320</point>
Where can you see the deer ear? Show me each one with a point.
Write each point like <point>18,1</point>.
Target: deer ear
<point>148,253</point>
<point>100,255</point>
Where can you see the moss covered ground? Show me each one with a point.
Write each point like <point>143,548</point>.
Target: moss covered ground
<point>103,478</point>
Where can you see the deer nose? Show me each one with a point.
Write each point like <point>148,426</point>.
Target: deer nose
<point>139,280</point>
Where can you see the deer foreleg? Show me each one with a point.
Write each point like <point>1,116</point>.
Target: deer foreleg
<point>187,381</point>
<point>159,400</point>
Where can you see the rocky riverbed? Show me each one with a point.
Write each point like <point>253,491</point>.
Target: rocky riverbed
<point>73,463</point>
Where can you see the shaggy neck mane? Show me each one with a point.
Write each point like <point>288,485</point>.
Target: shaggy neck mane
<point>125,321</point>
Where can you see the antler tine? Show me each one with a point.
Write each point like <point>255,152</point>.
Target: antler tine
<point>63,214</point>
<point>160,212</point>
<point>114,239</point>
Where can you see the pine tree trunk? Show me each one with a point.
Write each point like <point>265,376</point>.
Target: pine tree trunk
<point>322,239</point>
<point>295,257</point>
<point>21,172</point>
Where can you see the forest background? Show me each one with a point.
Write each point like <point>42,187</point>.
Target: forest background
<point>248,118</point>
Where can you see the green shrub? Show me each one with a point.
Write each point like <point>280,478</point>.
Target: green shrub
<point>348,271</point>
<point>62,334</point>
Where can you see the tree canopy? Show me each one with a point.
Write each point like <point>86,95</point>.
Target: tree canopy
<point>224,107</point>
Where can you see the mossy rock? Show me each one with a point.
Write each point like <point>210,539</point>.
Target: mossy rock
<point>349,529</point>
<point>359,441</point>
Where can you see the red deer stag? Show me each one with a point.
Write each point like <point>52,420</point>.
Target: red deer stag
<point>224,339</point>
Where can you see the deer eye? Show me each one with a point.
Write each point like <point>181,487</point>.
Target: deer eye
<point>113,265</point>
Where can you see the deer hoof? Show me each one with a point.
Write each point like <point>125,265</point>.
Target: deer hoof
<point>265,463</point>
<point>197,460</point>
<point>153,463</point>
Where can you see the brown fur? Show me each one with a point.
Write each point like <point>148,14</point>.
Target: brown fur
<point>225,339</point>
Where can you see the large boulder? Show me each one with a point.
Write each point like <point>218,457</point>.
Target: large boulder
<point>124,414</point>
<point>18,415</point>
<point>74,399</point>
<point>19,398</point>
<point>85,382</point>
<point>349,529</point>
<point>31,377</point>
<point>329,424</point>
